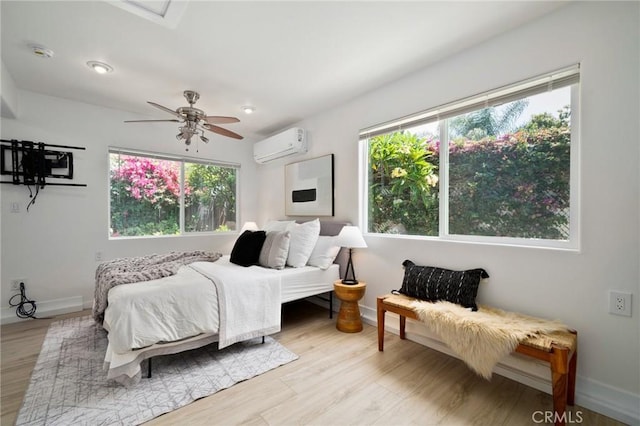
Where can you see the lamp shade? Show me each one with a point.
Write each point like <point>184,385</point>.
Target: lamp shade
<point>249,226</point>
<point>351,237</point>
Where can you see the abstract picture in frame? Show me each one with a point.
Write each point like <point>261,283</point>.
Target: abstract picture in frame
<point>309,187</point>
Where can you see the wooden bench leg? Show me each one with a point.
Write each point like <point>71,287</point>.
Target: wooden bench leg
<point>571,392</point>
<point>403,325</point>
<point>381,315</point>
<point>559,383</point>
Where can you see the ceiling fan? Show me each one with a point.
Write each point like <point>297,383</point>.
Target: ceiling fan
<point>194,121</point>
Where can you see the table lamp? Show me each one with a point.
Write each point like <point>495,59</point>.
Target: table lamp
<point>249,226</point>
<point>350,237</point>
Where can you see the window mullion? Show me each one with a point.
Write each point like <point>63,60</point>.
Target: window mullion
<point>443,191</point>
<point>182,207</point>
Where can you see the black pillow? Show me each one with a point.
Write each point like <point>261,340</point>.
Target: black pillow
<point>431,283</point>
<point>246,250</point>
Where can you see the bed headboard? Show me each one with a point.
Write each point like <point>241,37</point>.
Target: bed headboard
<point>333,228</point>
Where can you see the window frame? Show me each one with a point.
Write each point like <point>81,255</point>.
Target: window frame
<point>450,110</point>
<point>181,222</point>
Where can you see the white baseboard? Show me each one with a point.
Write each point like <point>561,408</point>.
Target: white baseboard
<point>45,309</point>
<point>596,396</point>
<point>607,400</point>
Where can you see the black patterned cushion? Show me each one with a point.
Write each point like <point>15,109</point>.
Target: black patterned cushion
<point>431,283</point>
<point>246,250</point>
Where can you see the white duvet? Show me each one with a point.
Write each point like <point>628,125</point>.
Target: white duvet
<point>204,297</point>
<point>162,310</point>
<point>203,303</point>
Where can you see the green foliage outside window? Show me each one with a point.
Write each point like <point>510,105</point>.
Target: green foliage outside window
<point>211,202</point>
<point>403,184</point>
<point>145,196</point>
<point>513,185</point>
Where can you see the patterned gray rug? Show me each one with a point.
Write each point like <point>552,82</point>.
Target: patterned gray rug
<point>68,385</point>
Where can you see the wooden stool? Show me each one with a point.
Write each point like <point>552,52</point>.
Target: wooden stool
<point>349,316</point>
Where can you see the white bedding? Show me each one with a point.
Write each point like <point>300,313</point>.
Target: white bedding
<point>137,314</point>
<point>185,308</point>
<point>241,318</point>
<point>298,283</point>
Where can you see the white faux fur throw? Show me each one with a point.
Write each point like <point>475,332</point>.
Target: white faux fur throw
<point>484,337</point>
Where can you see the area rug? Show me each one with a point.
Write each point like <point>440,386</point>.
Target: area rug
<point>68,384</point>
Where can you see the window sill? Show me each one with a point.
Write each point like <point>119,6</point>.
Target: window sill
<point>564,246</point>
<point>186,235</point>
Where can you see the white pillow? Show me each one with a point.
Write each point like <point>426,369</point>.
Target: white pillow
<point>303,239</point>
<point>275,250</point>
<point>279,225</point>
<point>325,252</point>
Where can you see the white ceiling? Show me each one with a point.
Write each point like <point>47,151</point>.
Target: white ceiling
<point>288,59</point>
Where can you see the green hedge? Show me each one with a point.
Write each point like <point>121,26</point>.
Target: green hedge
<point>516,185</point>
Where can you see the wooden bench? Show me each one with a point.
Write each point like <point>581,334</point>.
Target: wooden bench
<point>558,349</point>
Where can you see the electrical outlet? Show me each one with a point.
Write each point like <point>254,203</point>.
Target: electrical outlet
<point>98,256</point>
<point>15,284</point>
<point>620,303</point>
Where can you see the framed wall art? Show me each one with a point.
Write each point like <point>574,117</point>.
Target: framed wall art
<point>309,187</point>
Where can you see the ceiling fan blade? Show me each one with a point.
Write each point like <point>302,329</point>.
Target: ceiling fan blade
<point>217,119</point>
<point>165,109</point>
<point>173,120</point>
<point>223,132</point>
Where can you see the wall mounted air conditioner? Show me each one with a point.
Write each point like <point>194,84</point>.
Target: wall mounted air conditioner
<point>289,142</point>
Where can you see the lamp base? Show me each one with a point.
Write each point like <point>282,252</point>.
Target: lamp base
<point>350,273</point>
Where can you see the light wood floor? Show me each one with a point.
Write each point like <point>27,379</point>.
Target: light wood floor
<point>339,379</point>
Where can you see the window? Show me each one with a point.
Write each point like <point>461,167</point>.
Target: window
<point>154,195</point>
<point>508,175</point>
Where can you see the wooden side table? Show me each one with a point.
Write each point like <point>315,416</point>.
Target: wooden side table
<point>349,316</point>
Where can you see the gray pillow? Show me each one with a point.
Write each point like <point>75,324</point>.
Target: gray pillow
<point>275,250</point>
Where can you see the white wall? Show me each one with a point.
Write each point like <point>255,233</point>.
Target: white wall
<point>570,286</point>
<point>54,244</point>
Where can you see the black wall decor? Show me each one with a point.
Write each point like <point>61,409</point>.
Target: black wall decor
<point>30,163</point>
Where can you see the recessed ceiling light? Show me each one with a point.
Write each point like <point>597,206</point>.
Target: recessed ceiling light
<point>41,51</point>
<point>247,109</point>
<point>100,67</point>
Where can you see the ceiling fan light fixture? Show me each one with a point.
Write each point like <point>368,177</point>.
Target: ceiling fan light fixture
<point>100,67</point>
<point>193,121</point>
<point>248,109</point>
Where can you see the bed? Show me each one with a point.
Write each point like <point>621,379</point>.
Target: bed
<point>202,303</point>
